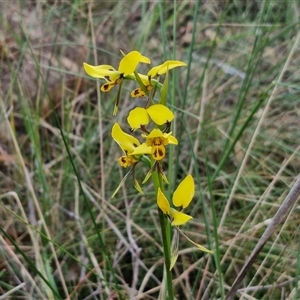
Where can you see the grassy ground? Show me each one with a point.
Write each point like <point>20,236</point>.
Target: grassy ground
<point>237,107</point>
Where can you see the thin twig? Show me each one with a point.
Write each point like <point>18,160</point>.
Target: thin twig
<point>279,217</point>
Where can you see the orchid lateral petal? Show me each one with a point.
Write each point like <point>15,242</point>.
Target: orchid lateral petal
<point>163,202</point>
<point>172,140</point>
<point>160,114</point>
<point>178,217</point>
<point>127,142</point>
<point>138,117</point>
<point>184,193</point>
<point>106,72</point>
<point>129,62</point>
<point>142,149</point>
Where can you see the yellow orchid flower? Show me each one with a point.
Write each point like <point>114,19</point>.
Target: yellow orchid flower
<point>182,197</point>
<point>128,144</point>
<point>158,113</point>
<point>157,70</point>
<point>156,140</point>
<point>112,76</point>
<point>147,82</point>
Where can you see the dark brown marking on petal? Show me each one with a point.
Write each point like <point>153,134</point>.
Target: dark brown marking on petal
<point>105,86</point>
<point>157,142</point>
<point>161,152</point>
<point>158,153</point>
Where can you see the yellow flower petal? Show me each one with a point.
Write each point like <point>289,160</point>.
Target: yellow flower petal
<point>170,64</point>
<point>106,87</point>
<point>163,68</point>
<point>126,161</point>
<point>129,62</point>
<point>158,151</point>
<point>172,139</point>
<point>137,93</point>
<point>144,78</point>
<point>184,192</point>
<point>153,134</point>
<point>142,149</point>
<point>106,72</point>
<point>160,114</point>
<point>145,60</point>
<point>127,142</point>
<point>163,202</point>
<point>138,117</point>
<point>153,72</point>
<point>178,218</point>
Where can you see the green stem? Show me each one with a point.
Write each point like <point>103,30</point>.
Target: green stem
<point>166,235</point>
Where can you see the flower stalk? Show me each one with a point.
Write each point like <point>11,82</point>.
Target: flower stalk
<point>165,235</point>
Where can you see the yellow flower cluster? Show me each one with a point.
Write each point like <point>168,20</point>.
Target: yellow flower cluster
<point>156,139</point>
<point>156,115</point>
